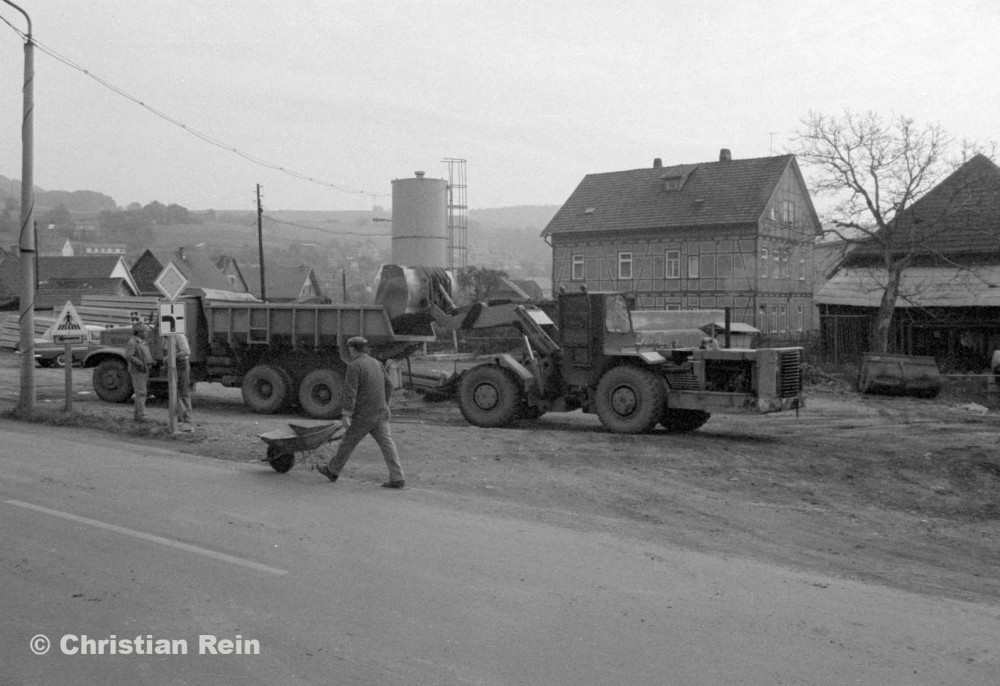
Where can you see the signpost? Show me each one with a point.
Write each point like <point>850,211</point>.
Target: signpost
<point>171,282</point>
<point>68,329</point>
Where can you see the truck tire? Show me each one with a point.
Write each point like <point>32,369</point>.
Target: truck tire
<point>267,389</point>
<point>630,399</point>
<point>319,393</point>
<point>488,396</point>
<point>680,421</point>
<point>111,380</point>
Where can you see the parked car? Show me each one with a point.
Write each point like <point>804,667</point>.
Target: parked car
<point>51,354</point>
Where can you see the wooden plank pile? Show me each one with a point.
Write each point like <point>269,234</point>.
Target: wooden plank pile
<point>10,328</point>
<point>98,310</point>
<point>109,310</point>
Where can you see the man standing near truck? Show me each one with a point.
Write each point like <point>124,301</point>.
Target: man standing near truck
<point>182,362</point>
<point>367,389</point>
<point>139,362</point>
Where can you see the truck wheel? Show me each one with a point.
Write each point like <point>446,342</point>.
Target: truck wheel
<point>319,393</point>
<point>680,421</point>
<point>112,382</point>
<point>629,399</point>
<point>488,396</point>
<point>266,389</point>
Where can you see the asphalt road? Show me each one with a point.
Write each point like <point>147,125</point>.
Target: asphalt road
<point>317,583</point>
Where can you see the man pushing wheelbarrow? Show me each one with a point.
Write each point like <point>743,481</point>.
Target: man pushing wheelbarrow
<point>367,389</point>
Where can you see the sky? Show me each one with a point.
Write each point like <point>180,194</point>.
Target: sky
<point>196,103</point>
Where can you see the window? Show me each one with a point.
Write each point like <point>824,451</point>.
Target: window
<point>782,318</point>
<point>672,267</point>
<point>787,212</point>
<point>802,266</point>
<point>693,267</point>
<point>763,263</point>
<point>624,265</point>
<point>784,264</point>
<point>671,183</point>
<point>798,317</point>
<point>776,258</point>
<point>774,319</point>
<point>578,271</point>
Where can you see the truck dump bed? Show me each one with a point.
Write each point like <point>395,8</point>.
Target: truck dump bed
<point>299,325</point>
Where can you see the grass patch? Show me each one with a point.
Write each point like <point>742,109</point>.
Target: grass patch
<point>102,421</point>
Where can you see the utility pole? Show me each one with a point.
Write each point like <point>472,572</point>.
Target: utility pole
<point>26,242</point>
<point>260,243</point>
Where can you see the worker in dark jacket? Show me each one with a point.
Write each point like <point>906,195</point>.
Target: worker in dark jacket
<point>140,361</point>
<point>367,389</point>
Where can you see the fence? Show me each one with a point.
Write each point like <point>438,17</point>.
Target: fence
<point>843,337</point>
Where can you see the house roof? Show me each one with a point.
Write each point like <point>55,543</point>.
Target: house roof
<point>725,192</point>
<point>959,215</point>
<point>55,292</point>
<point>280,282</point>
<point>78,267</point>
<point>196,265</point>
<point>918,287</point>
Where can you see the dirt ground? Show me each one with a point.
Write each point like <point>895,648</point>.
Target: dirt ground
<point>899,491</point>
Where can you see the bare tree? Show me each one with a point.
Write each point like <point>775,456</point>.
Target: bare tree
<point>477,283</point>
<point>875,169</point>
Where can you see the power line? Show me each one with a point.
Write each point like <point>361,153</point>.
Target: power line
<point>322,230</point>
<point>194,132</point>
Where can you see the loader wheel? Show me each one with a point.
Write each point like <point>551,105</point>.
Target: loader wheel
<point>112,382</point>
<point>488,396</point>
<point>629,400</point>
<point>267,389</point>
<point>680,421</point>
<point>319,393</point>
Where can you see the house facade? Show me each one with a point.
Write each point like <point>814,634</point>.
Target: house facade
<point>730,233</point>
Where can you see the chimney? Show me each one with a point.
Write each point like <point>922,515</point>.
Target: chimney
<point>180,251</point>
<point>657,163</point>
<point>725,155</point>
<point>419,174</point>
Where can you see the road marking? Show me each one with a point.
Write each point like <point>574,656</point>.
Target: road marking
<point>250,564</point>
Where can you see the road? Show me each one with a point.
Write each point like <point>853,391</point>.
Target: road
<point>353,584</point>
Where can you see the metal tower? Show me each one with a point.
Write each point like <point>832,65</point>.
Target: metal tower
<point>458,214</point>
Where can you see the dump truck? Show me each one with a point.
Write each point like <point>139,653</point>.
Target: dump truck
<point>582,351</point>
<point>280,355</point>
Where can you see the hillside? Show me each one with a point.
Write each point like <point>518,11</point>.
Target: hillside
<point>502,237</point>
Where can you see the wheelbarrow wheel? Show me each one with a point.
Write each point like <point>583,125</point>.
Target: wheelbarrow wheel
<point>279,460</point>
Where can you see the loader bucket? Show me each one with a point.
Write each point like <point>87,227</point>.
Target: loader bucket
<point>899,375</point>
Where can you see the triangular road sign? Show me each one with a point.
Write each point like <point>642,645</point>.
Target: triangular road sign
<point>69,327</point>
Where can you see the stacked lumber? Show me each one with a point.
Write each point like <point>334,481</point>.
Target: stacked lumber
<point>10,328</point>
<point>109,310</point>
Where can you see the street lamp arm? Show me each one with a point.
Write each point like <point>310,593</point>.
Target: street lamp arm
<point>26,17</point>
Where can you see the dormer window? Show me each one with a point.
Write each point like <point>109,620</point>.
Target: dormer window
<point>671,183</point>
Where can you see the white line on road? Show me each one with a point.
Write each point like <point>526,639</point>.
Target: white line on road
<point>153,538</point>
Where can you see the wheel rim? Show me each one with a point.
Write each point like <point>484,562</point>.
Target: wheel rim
<point>112,380</point>
<point>321,393</point>
<point>624,401</point>
<point>264,389</point>
<point>486,396</point>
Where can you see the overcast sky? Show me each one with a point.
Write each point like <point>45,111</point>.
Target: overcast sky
<point>534,94</point>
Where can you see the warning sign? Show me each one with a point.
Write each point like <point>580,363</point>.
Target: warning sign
<point>69,327</point>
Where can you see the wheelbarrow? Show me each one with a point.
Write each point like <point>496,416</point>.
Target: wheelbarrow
<point>282,444</point>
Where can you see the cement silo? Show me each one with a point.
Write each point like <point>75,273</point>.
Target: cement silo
<point>420,221</point>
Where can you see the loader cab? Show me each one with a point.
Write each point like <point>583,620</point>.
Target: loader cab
<point>590,325</point>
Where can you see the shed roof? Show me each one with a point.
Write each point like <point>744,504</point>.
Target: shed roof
<point>959,215</point>
<point>725,192</point>
<point>919,287</point>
